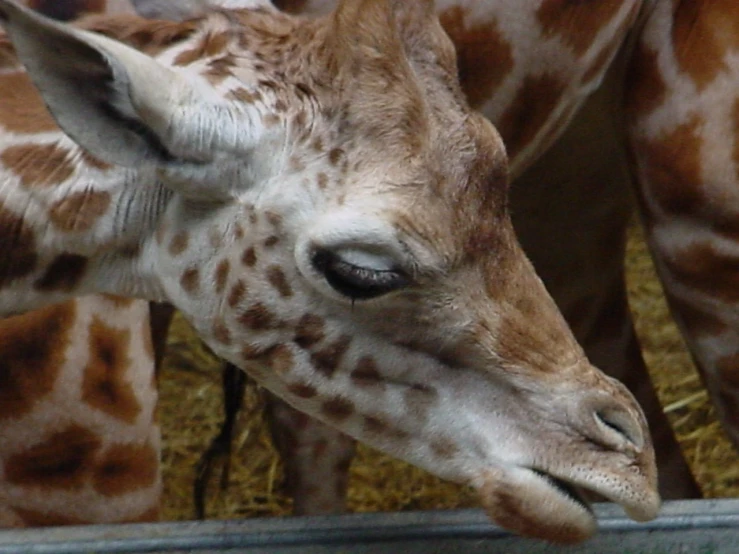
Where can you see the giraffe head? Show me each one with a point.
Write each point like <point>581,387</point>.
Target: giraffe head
<point>331,216</point>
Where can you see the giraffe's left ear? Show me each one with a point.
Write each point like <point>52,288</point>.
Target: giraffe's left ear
<point>121,105</point>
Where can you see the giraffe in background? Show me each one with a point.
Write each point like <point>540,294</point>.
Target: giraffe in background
<point>79,441</point>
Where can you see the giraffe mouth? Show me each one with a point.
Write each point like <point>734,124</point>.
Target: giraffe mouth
<point>534,503</point>
<point>569,490</point>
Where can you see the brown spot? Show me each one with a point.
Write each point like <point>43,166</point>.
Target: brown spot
<point>222,271</point>
<point>420,398</point>
<point>179,243</point>
<point>61,461</point>
<point>34,518</point>
<point>276,278</point>
<point>22,109</point>
<point>259,318</point>
<point>444,449</point>
<point>33,347</point>
<point>221,332</point>
<point>219,69</point>
<point>322,180</point>
<point>79,211</point>
<point>190,280</point>
<point>238,291</point>
<point>366,373</point>
<point>210,45</point>
<point>274,219</point>
<point>302,390</point>
<point>703,35</point>
<point>317,144</point>
<point>476,45</point>
<point>380,427</point>
<point>249,257</point>
<point>126,468</point>
<point>647,90</point>
<point>335,155</point>
<point>238,232</point>
<point>38,164</point>
<point>702,267</point>
<point>18,256</point>
<point>271,241</point>
<point>107,381</point>
<point>531,109</point>
<point>327,360</point>
<point>250,352</point>
<point>574,22</point>
<point>270,120</point>
<point>244,95</point>
<point>280,359</point>
<point>309,331</point>
<point>64,273</point>
<point>337,409</point>
<point>672,167</point>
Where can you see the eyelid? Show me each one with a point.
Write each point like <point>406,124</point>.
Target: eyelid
<point>357,281</point>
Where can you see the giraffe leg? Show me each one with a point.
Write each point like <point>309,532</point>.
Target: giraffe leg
<point>316,459</point>
<point>683,116</point>
<point>571,210</point>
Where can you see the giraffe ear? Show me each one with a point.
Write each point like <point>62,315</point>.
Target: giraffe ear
<point>121,105</point>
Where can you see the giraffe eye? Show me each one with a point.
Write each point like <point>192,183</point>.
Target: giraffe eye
<point>355,281</point>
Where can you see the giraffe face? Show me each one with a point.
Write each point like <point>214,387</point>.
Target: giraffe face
<point>342,235</point>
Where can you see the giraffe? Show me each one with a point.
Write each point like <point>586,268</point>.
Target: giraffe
<point>591,99</point>
<point>79,441</point>
<point>319,200</point>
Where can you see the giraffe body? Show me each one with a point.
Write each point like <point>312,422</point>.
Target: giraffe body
<point>79,442</point>
<point>321,203</point>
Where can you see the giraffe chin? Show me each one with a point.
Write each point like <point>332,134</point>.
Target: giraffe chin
<point>534,504</point>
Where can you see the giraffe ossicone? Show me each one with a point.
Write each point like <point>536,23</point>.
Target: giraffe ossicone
<point>318,197</point>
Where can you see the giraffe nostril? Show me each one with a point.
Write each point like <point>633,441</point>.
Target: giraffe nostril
<point>618,420</point>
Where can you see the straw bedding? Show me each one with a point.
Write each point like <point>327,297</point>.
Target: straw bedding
<point>191,412</point>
